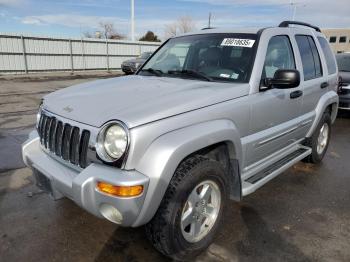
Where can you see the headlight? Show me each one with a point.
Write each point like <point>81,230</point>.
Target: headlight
<point>112,142</point>
<point>38,115</point>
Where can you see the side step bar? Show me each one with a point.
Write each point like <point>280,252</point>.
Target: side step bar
<point>254,182</point>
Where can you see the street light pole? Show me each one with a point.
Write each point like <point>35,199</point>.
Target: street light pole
<point>132,20</point>
<point>294,12</point>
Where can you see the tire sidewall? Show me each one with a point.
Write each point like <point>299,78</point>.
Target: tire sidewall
<point>207,170</point>
<point>326,118</point>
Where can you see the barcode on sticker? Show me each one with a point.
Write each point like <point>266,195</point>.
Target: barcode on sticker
<point>237,42</point>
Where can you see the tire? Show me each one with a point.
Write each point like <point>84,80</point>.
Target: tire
<point>166,231</point>
<point>316,156</point>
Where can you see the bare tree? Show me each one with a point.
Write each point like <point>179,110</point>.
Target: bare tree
<point>109,32</point>
<point>170,30</point>
<point>185,24</point>
<point>182,25</point>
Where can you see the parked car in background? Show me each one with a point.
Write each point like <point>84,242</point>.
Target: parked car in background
<point>343,61</point>
<point>211,116</point>
<point>130,66</point>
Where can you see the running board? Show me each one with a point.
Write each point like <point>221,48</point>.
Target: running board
<point>261,178</point>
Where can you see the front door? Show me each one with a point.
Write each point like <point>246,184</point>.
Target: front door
<point>274,116</point>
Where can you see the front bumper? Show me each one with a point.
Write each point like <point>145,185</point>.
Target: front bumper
<point>80,185</point>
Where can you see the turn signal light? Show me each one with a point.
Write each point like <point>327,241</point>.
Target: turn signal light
<point>120,191</point>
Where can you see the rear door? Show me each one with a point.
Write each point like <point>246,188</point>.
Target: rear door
<point>314,78</point>
<point>331,65</point>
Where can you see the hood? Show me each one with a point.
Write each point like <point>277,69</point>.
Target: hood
<point>136,100</point>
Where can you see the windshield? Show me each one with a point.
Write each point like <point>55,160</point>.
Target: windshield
<point>208,57</point>
<point>145,55</point>
<point>343,62</point>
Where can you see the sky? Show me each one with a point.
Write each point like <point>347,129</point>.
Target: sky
<point>70,18</point>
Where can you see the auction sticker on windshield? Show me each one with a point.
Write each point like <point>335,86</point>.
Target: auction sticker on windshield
<point>238,42</point>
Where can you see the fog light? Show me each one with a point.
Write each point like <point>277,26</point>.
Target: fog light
<point>120,191</point>
<point>111,213</point>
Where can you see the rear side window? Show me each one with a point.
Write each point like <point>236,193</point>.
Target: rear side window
<point>316,55</point>
<point>309,56</point>
<point>332,68</point>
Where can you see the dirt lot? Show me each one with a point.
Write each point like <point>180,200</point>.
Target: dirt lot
<point>302,215</point>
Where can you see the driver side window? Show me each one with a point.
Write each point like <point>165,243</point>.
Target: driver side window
<point>279,55</point>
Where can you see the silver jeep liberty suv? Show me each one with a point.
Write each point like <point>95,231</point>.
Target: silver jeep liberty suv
<point>210,116</point>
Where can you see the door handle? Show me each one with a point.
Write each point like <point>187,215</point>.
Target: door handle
<point>296,94</point>
<point>324,85</point>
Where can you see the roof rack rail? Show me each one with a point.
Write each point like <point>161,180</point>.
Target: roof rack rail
<point>287,23</point>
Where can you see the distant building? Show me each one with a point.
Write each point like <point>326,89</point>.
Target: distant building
<point>339,39</point>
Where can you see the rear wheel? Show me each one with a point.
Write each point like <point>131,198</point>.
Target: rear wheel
<point>319,141</point>
<point>191,210</point>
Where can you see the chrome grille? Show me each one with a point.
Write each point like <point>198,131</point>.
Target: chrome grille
<point>66,141</point>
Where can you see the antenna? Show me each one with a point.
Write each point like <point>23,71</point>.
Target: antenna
<point>294,5</point>
<point>209,20</point>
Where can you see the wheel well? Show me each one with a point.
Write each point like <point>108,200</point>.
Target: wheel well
<point>332,110</point>
<point>224,152</point>
<point>329,109</point>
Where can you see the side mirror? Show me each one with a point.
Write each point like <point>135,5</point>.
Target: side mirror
<point>283,79</point>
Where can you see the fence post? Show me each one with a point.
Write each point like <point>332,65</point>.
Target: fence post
<point>24,55</point>
<point>71,56</point>
<point>107,55</point>
<point>82,53</point>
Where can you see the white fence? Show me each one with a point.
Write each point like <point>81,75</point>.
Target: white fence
<point>24,54</point>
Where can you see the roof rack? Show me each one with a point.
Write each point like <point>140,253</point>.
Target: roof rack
<point>287,23</point>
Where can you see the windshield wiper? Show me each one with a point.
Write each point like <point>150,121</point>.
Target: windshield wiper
<point>156,72</point>
<point>192,73</point>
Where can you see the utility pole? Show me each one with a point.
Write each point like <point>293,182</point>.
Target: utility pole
<point>209,20</point>
<point>132,20</point>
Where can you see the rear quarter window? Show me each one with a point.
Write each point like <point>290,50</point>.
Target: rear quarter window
<point>330,60</point>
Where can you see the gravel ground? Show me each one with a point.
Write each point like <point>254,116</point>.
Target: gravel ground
<point>302,215</point>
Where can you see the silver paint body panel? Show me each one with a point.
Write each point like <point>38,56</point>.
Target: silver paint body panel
<point>171,118</point>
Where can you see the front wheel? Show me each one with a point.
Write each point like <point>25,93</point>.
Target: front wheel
<point>191,210</point>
